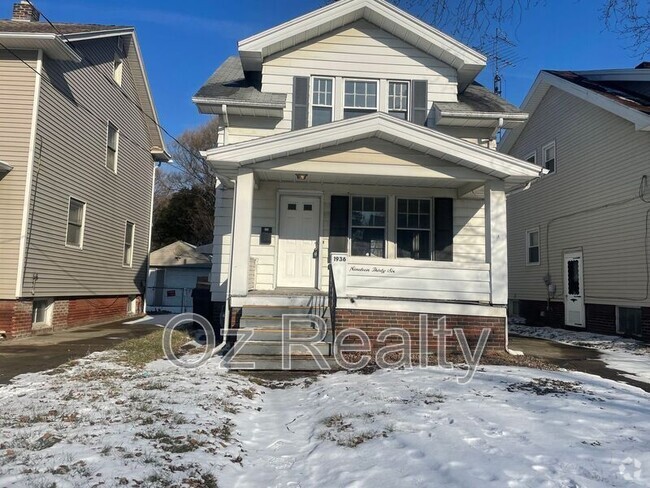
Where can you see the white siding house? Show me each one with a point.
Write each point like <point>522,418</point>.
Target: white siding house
<point>357,151</point>
<point>578,242</point>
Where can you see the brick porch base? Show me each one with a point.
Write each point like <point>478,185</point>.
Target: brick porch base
<point>16,315</point>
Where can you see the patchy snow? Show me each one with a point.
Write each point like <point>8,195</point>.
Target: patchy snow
<point>628,355</point>
<point>97,423</point>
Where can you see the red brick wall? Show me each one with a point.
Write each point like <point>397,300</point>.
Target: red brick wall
<point>372,322</point>
<point>16,315</point>
<point>601,319</point>
<point>645,323</point>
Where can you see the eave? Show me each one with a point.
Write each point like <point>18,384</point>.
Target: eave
<point>5,168</point>
<point>480,119</point>
<point>214,106</point>
<point>51,44</point>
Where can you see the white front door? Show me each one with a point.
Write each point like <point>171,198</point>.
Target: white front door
<point>298,241</point>
<point>574,294</point>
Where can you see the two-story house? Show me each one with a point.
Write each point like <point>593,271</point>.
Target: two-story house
<point>578,241</point>
<point>355,136</point>
<point>79,139</point>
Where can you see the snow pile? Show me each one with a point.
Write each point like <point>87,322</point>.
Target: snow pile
<point>628,355</point>
<point>97,423</point>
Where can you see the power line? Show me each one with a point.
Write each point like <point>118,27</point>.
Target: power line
<point>125,95</point>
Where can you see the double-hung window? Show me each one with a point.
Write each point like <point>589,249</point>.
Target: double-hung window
<point>118,68</point>
<point>368,229</point>
<point>414,228</point>
<point>76,221</point>
<point>321,101</point>
<point>532,246</point>
<point>128,244</point>
<point>360,98</point>
<point>112,142</point>
<point>398,99</point>
<point>548,157</point>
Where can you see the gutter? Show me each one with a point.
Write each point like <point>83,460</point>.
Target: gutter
<point>235,103</point>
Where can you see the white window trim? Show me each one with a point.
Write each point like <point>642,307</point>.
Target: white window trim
<point>385,227</point>
<point>532,155</point>
<point>543,162</point>
<point>365,80</point>
<point>132,305</point>
<point>539,246</point>
<point>408,98</point>
<point>83,224</point>
<point>126,225</point>
<point>618,320</point>
<point>311,98</point>
<point>430,229</point>
<point>117,146</point>
<point>118,69</point>
<point>49,312</point>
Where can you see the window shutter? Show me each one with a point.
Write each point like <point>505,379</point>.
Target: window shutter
<point>444,229</point>
<point>339,214</point>
<point>419,102</point>
<point>300,102</point>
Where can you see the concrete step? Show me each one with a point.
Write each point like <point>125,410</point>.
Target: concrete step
<point>274,348</point>
<point>274,363</point>
<point>279,311</point>
<point>276,334</point>
<point>275,322</point>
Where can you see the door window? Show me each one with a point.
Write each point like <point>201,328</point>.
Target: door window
<point>573,278</point>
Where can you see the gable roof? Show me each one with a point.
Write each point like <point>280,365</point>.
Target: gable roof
<point>179,253</point>
<point>401,24</point>
<point>625,93</point>
<point>377,125</point>
<point>229,85</point>
<point>57,41</point>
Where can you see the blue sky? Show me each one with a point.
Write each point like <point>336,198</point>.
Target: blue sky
<point>184,41</point>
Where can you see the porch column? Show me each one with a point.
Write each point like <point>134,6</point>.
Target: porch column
<point>241,234</point>
<point>496,240</point>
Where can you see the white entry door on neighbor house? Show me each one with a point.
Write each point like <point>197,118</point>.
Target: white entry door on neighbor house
<point>574,295</point>
<point>298,241</point>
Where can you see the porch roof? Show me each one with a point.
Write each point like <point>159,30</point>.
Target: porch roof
<point>484,162</point>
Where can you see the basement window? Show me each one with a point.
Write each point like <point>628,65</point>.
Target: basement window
<point>628,321</point>
<point>42,312</point>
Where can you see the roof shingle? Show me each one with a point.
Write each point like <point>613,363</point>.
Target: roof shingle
<point>60,27</point>
<point>477,98</point>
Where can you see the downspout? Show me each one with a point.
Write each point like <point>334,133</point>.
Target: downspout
<point>156,166</point>
<point>226,123</point>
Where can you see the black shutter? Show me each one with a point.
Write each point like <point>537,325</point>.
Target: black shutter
<point>300,102</point>
<point>419,103</point>
<point>339,215</point>
<point>444,229</point>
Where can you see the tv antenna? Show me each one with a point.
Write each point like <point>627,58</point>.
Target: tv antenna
<point>503,54</point>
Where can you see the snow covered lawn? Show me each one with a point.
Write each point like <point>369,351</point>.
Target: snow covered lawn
<point>98,423</point>
<point>620,353</point>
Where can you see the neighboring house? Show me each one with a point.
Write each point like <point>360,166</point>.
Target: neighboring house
<point>78,140</point>
<point>175,272</point>
<point>578,238</point>
<point>356,135</point>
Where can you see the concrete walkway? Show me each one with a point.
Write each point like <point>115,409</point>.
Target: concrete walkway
<point>571,357</point>
<point>43,352</point>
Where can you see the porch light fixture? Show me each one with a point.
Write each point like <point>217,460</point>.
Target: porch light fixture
<point>301,176</point>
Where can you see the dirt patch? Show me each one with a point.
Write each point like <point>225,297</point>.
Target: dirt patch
<point>547,386</point>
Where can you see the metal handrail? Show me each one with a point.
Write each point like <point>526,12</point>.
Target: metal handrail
<point>331,301</point>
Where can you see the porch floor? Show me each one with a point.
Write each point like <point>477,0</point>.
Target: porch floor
<point>289,292</point>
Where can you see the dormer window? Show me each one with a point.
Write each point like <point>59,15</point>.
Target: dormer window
<point>360,98</point>
<point>321,107</point>
<point>398,99</point>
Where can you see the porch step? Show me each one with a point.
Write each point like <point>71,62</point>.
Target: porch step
<point>274,363</point>
<point>274,348</point>
<point>275,322</point>
<point>276,334</point>
<point>279,311</point>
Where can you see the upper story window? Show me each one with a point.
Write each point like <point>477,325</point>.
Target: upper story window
<point>127,259</point>
<point>321,100</point>
<point>531,158</point>
<point>360,98</point>
<point>112,143</point>
<point>398,99</point>
<point>76,222</point>
<point>118,67</point>
<point>548,157</point>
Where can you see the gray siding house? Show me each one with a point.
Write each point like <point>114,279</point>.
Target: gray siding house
<point>578,240</point>
<point>78,140</point>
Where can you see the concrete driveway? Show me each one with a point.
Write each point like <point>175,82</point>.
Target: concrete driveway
<point>571,357</point>
<point>43,352</point>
